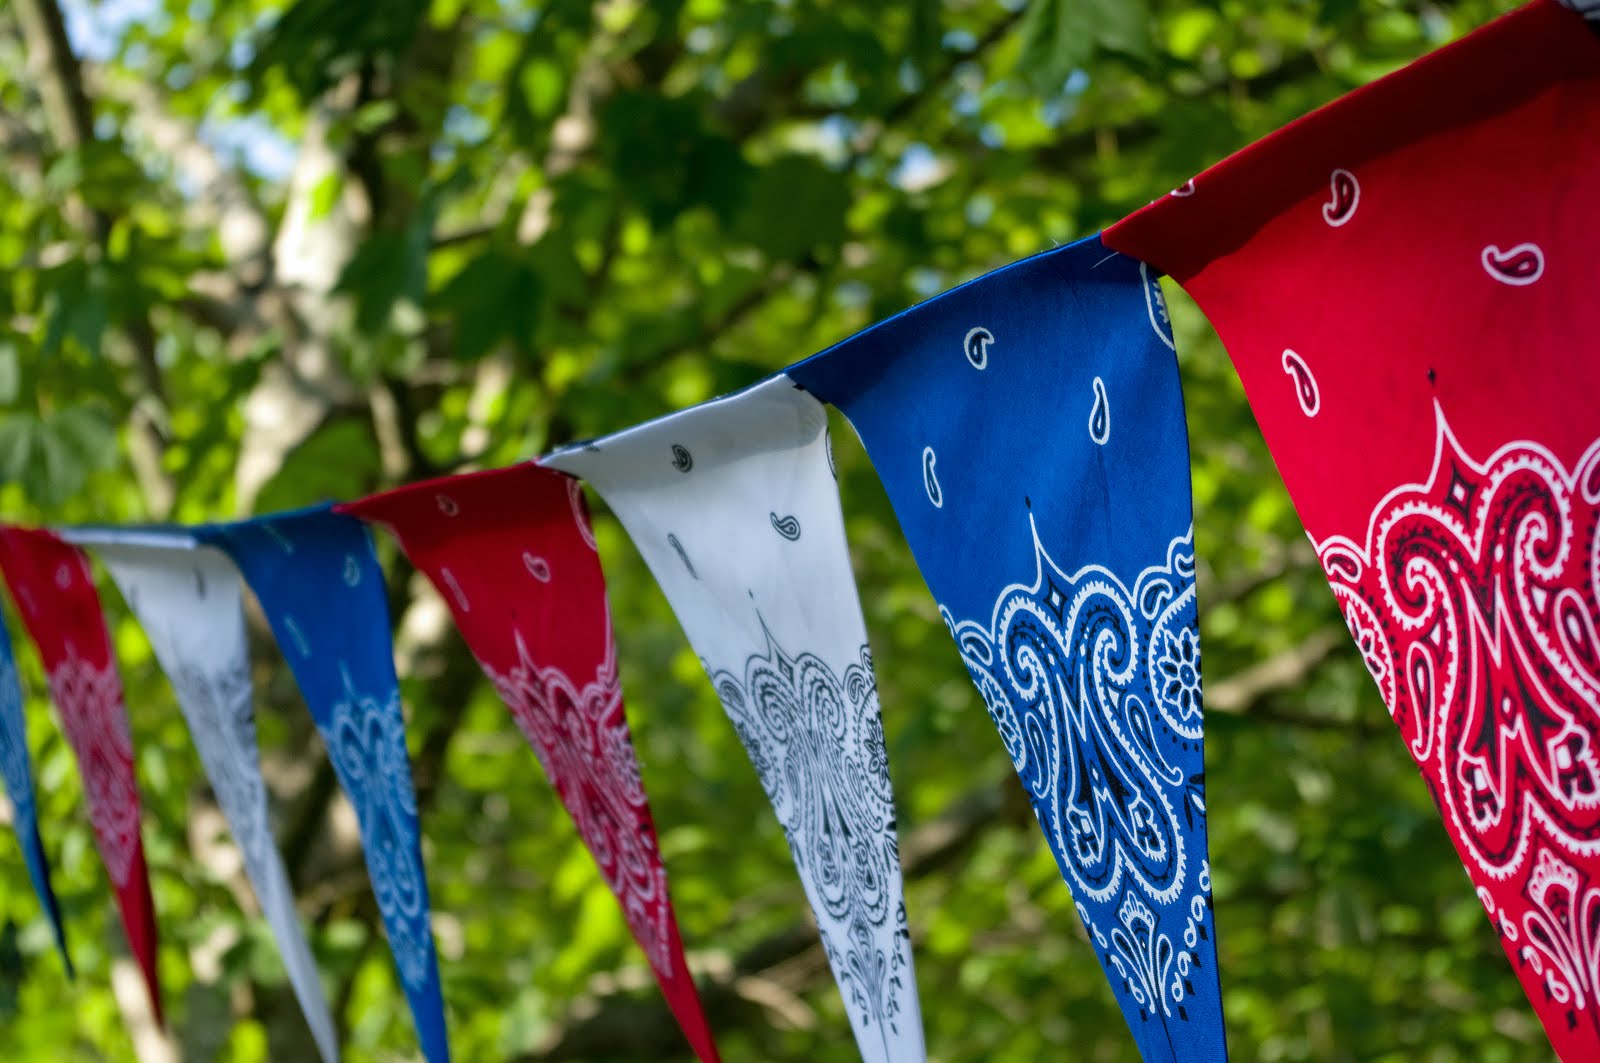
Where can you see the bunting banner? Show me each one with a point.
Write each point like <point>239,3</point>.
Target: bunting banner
<point>53,588</point>
<point>1029,430</point>
<point>16,771</point>
<point>318,581</point>
<point>511,553</point>
<point>734,507</point>
<point>188,599</point>
<point>1411,272</point>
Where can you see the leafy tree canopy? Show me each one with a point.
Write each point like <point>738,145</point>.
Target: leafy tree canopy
<point>254,253</point>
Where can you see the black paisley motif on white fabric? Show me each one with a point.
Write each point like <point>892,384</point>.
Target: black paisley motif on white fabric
<point>223,722</point>
<point>1095,690</point>
<point>817,743</point>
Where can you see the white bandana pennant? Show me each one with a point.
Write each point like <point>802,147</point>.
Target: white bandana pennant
<point>734,507</point>
<point>187,597</point>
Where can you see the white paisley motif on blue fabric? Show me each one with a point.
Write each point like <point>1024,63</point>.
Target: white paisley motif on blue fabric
<point>366,741</point>
<point>817,743</point>
<point>1095,689</point>
<point>14,743</point>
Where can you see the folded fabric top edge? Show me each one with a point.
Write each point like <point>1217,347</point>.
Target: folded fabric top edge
<point>161,536</point>
<point>578,459</point>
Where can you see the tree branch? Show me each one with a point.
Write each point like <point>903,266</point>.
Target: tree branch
<point>71,120</point>
<point>1237,693</point>
<point>60,82</point>
<point>619,1021</point>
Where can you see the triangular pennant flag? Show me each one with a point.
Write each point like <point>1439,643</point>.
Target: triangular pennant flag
<point>735,510</point>
<point>1029,430</point>
<point>187,598</point>
<point>54,590</point>
<point>511,553</point>
<point>17,772</point>
<point>1411,272</point>
<point>319,583</point>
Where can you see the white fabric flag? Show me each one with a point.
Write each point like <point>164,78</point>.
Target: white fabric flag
<point>734,507</point>
<point>187,596</point>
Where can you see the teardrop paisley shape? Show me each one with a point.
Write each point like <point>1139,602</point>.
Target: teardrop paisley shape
<point>1345,192</point>
<point>1520,265</point>
<point>1305,385</point>
<point>977,347</point>
<point>930,479</point>
<point>788,527</point>
<point>1100,415</point>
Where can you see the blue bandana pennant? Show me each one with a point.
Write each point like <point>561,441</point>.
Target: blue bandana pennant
<point>1029,430</point>
<point>17,773</point>
<point>318,581</point>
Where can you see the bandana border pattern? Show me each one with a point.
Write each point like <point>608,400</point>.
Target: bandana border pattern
<point>806,731</point>
<point>1473,601</point>
<point>367,744</point>
<point>92,713</point>
<point>15,769</point>
<point>581,738</point>
<point>1084,679</point>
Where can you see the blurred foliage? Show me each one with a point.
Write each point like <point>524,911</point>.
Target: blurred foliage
<point>258,252</point>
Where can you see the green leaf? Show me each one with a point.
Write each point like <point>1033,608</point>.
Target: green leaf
<point>496,297</point>
<point>76,307</point>
<point>542,87</point>
<point>667,159</point>
<point>1062,36</point>
<point>332,464</point>
<point>10,373</point>
<point>51,457</point>
<point>795,206</point>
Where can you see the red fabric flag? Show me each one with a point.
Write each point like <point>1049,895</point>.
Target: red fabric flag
<point>511,553</point>
<point>1407,283</point>
<point>54,590</point>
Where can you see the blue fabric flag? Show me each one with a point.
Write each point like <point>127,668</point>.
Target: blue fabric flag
<point>318,581</point>
<point>1029,430</point>
<point>17,772</point>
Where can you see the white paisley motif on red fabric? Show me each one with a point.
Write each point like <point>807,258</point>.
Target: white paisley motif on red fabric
<point>90,700</point>
<point>580,736</point>
<point>1474,603</point>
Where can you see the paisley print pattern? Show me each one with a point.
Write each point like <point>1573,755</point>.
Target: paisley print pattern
<point>14,765</point>
<point>367,744</point>
<point>1344,196</point>
<point>1475,601</point>
<point>770,606</point>
<point>17,774</point>
<point>223,722</point>
<point>1518,266</point>
<point>1095,690</point>
<point>90,700</point>
<point>517,567</point>
<point>580,736</point>
<point>816,740</point>
<point>50,579</point>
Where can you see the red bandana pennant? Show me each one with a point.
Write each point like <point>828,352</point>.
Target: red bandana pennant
<point>1406,281</point>
<point>54,591</point>
<point>512,555</point>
